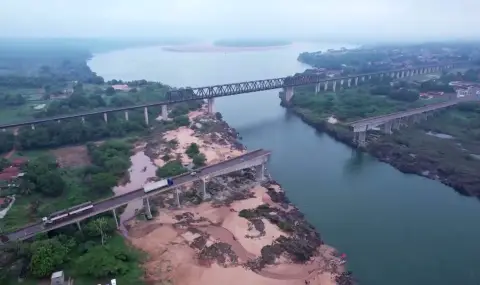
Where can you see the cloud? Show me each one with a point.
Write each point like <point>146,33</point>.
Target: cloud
<point>355,19</point>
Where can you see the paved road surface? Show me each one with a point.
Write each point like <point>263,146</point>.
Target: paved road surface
<point>117,201</point>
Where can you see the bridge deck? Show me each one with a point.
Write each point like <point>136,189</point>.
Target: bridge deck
<point>200,93</point>
<point>117,201</point>
<point>398,115</point>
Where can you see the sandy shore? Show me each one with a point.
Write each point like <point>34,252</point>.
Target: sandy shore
<point>209,243</point>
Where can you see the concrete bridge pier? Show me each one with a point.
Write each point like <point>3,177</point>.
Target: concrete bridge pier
<point>341,83</point>
<point>396,124</point>
<point>334,85</point>
<point>360,138</point>
<point>177,197</point>
<point>205,195</point>
<point>126,115</point>
<point>260,172</point>
<point>210,102</point>
<point>145,114</point>
<point>148,210</point>
<point>115,217</point>
<point>33,127</point>
<point>349,82</point>
<point>326,85</point>
<point>105,117</point>
<point>363,78</point>
<point>369,77</point>
<point>387,127</point>
<point>288,93</point>
<point>79,226</point>
<point>83,120</point>
<point>356,81</point>
<point>164,112</point>
<point>317,88</point>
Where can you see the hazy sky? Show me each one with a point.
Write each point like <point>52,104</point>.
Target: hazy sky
<point>369,19</point>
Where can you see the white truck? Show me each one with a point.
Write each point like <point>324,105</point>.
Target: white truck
<point>157,185</point>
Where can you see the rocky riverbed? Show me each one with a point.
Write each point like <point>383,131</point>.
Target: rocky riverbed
<point>246,232</point>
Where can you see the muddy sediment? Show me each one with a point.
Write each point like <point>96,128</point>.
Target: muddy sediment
<point>244,232</point>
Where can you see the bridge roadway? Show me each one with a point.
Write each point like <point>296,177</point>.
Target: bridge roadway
<point>378,120</point>
<point>117,201</point>
<point>208,92</point>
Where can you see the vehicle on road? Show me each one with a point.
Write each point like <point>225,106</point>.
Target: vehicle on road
<point>193,173</point>
<point>157,185</point>
<point>67,213</point>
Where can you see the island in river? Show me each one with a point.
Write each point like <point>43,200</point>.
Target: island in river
<point>443,147</point>
<point>245,232</point>
<point>228,46</point>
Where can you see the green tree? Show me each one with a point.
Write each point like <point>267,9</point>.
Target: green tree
<point>103,182</point>
<point>192,150</point>
<point>106,261</point>
<point>50,184</point>
<point>199,160</point>
<point>171,168</point>
<point>49,254</point>
<point>101,226</point>
<point>109,91</point>
<point>181,121</point>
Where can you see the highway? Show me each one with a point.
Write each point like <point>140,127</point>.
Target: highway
<point>200,93</point>
<point>117,201</point>
<point>392,116</point>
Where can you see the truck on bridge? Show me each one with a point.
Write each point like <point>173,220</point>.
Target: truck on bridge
<point>157,185</point>
<point>66,213</point>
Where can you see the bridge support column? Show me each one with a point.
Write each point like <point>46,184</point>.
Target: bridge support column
<point>205,195</point>
<point>369,77</point>
<point>105,117</point>
<point>210,103</point>
<point>177,197</point>
<point>326,85</point>
<point>360,138</point>
<point>334,85</point>
<point>126,115</point>
<point>341,83</point>
<point>396,124</point>
<point>260,172</point>
<point>363,78</point>
<point>83,120</point>
<point>288,93</point>
<point>148,211</point>
<point>349,82</point>
<point>318,88</point>
<point>356,81</point>
<point>78,226</point>
<point>164,112</point>
<point>115,217</point>
<point>33,127</point>
<point>387,127</point>
<point>145,114</point>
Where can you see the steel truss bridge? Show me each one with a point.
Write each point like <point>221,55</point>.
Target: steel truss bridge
<point>210,92</point>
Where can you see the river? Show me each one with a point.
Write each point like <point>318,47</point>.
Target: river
<point>396,229</point>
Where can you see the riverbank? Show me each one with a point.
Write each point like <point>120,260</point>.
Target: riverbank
<point>410,151</point>
<point>244,231</point>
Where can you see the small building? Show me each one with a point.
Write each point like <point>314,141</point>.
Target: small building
<point>58,278</point>
<point>121,87</point>
<point>467,92</point>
